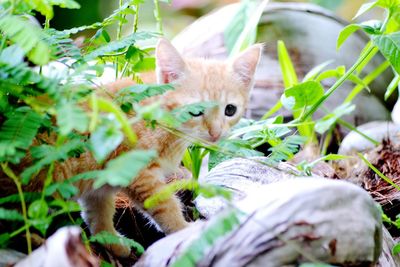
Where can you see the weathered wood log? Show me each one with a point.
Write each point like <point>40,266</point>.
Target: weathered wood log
<point>287,222</point>
<point>310,34</point>
<point>63,249</point>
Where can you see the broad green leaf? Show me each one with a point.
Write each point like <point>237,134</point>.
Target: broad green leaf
<point>371,27</point>
<point>10,215</point>
<point>28,36</point>
<point>304,95</point>
<point>389,45</point>
<point>325,123</point>
<point>122,170</point>
<point>144,65</point>
<point>105,139</point>
<point>287,69</point>
<point>38,209</point>
<point>71,117</point>
<point>388,4</point>
<point>106,238</point>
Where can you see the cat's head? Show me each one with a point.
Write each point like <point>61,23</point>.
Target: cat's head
<point>227,83</point>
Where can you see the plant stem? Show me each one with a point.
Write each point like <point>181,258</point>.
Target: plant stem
<point>136,19</point>
<point>157,16</point>
<point>351,127</point>
<point>337,84</point>
<point>17,182</point>
<point>367,80</point>
<point>119,32</point>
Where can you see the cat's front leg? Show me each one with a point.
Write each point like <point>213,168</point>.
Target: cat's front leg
<point>98,212</point>
<point>166,213</point>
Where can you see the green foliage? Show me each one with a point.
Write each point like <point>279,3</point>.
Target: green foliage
<point>302,95</point>
<point>389,45</point>
<point>122,170</point>
<point>115,46</point>
<point>106,238</point>
<point>10,215</point>
<point>17,133</point>
<point>183,114</point>
<point>28,36</point>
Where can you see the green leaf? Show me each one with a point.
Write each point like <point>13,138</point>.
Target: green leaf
<point>287,69</point>
<point>123,170</point>
<point>242,31</point>
<point>365,8</point>
<point>144,65</point>
<point>182,114</point>
<point>286,148</point>
<point>118,44</point>
<point>325,123</point>
<point>105,139</point>
<point>106,238</point>
<point>71,117</point>
<point>17,133</point>
<point>139,92</point>
<point>302,95</point>
<point>316,70</point>
<point>394,84</point>
<point>12,55</point>
<point>228,149</point>
<point>396,249</point>
<point>65,188</point>
<point>28,36</point>
<point>10,215</point>
<point>14,198</point>
<point>389,45</point>
<point>38,209</point>
<point>48,154</point>
<point>371,27</point>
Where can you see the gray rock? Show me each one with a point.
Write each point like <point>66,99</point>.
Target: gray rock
<point>377,130</point>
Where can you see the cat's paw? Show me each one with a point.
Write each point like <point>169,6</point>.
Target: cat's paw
<point>119,250</point>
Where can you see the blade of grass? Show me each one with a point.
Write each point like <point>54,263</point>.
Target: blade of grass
<point>380,174</point>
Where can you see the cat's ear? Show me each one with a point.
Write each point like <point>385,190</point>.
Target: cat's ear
<point>244,65</point>
<point>169,63</point>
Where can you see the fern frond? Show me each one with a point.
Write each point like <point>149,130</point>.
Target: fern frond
<point>138,92</point>
<point>118,44</point>
<point>183,114</point>
<point>123,170</point>
<point>105,238</point>
<point>28,36</point>
<point>48,154</point>
<point>17,133</point>
<point>10,215</point>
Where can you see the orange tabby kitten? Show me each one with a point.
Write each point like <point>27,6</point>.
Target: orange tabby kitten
<point>227,83</point>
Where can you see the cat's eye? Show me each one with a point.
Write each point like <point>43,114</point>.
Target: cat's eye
<point>230,110</point>
<point>198,114</point>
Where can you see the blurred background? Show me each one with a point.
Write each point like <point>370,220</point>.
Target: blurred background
<point>176,15</point>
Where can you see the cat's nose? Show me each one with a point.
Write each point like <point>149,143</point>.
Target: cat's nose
<point>214,135</point>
